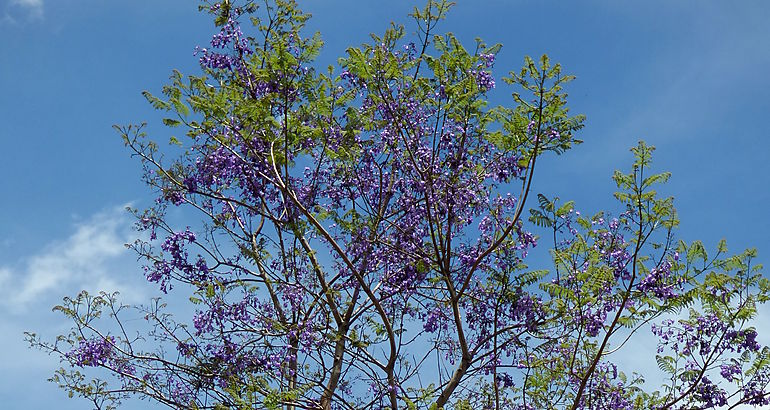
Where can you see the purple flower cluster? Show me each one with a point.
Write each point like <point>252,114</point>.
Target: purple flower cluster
<point>100,352</point>
<point>177,262</point>
<point>710,394</point>
<point>660,282</point>
<point>730,371</point>
<point>434,319</point>
<point>484,79</point>
<point>93,352</point>
<point>606,390</point>
<point>703,334</point>
<point>755,389</point>
<point>481,73</point>
<point>229,37</point>
<point>611,245</point>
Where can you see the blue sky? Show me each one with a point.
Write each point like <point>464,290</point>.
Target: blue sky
<point>689,77</point>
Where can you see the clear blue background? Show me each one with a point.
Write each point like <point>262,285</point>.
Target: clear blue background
<point>689,77</point>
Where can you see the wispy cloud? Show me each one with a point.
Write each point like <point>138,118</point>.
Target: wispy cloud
<point>19,11</point>
<point>90,258</point>
<point>689,85</point>
<point>34,6</point>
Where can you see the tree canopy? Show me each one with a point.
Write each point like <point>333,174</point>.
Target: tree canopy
<point>358,238</point>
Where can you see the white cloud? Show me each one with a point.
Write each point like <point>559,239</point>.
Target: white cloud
<point>90,258</point>
<point>5,276</point>
<point>18,11</point>
<point>31,4</point>
<point>93,258</point>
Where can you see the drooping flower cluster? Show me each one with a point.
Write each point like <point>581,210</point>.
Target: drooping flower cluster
<point>660,283</point>
<point>93,352</point>
<point>228,49</point>
<point>177,262</point>
<point>702,335</point>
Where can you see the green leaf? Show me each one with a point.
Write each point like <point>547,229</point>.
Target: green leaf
<point>156,102</point>
<point>665,363</point>
<point>171,122</point>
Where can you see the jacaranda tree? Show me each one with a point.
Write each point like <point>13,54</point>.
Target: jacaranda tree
<point>361,242</point>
